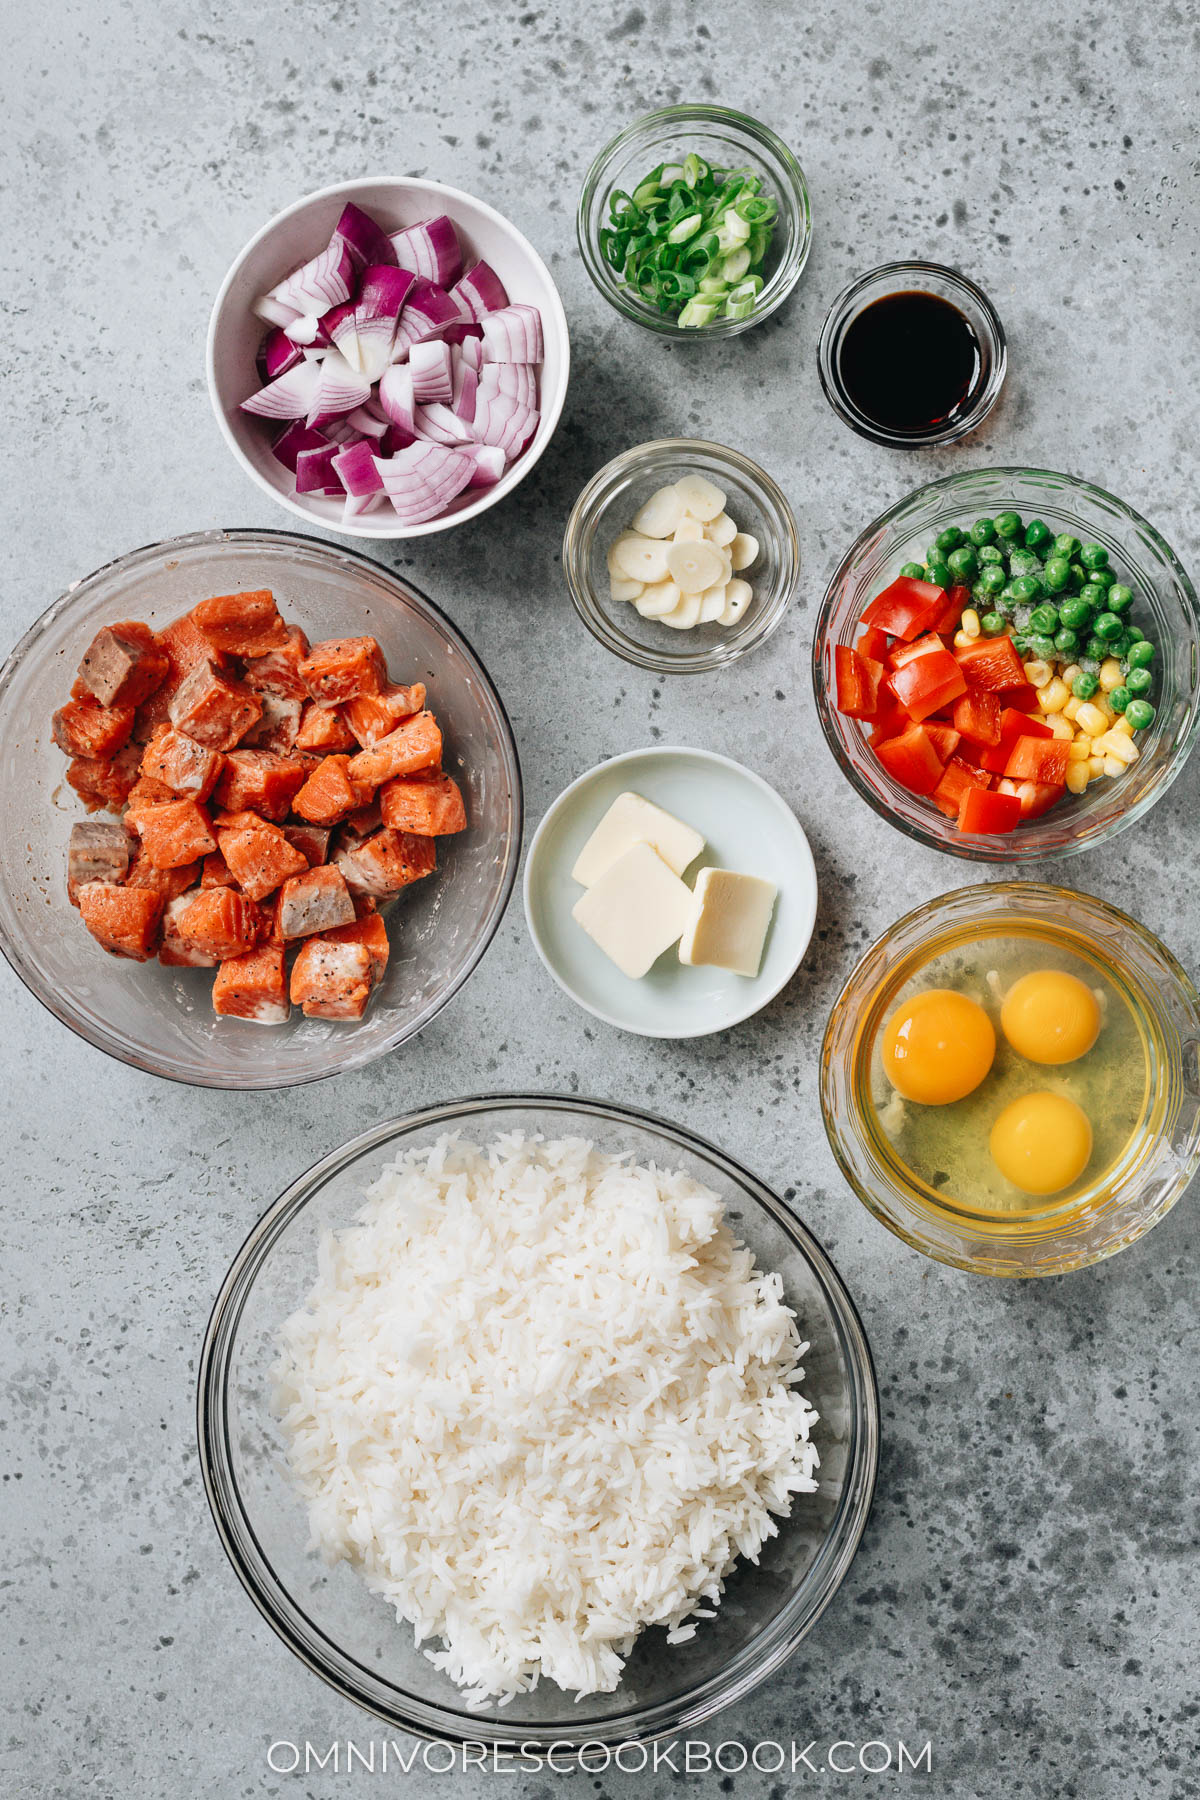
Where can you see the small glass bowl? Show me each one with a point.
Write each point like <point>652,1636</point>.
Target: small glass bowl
<point>1152,1172</point>
<point>729,140</point>
<point>352,1638</point>
<point>925,278</point>
<point>1165,606</point>
<point>606,506</point>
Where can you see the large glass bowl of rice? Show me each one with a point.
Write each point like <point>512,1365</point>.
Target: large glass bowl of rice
<point>538,1420</point>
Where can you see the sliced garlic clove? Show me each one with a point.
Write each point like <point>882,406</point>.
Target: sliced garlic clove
<point>694,567</point>
<point>688,531</point>
<point>721,530</point>
<point>743,550</point>
<point>622,588</point>
<point>700,497</point>
<point>641,559</point>
<point>660,515</point>
<point>738,595</point>
<point>683,616</point>
<point>712,604</point>
<point>610,560</point>
<point>658,599</point>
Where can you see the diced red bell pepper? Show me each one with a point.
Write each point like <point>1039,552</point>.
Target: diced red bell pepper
<point>1013,725</point>
<point>944,739</point>
<point>969,752</point>
<point>952,611</point>
<point>992,663</point>
<point>1039,759</point>
<point>928,682</point>
<point>982,811</point>
<point>873,643</point>
<point>912,760</point>
<point>906,608</point>
<point>958,779</point>
<point>890,721</point>
<point>858,683</point>
<point>906,653</point>
<point>977,716</point>
<point>1034,797</point>
<point>1022,698</point>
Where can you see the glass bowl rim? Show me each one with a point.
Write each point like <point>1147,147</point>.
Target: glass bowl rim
<point>858,421</point>
<point>434,1722</point>
<point>929,835</point>
<point>251,536</point>
<point>585,511</point>
<point>698,114</point>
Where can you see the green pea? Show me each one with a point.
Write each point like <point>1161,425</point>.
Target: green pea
<point>1027,587</point>
<point>1134,635</point>
<point>1117,646</point>
<point>1004,604</point>
<point>933,555</point>
<point>991,553</point>
<point>1107,625</point>
<point>1021,617</point>
<point>1120,598</point>
<point>1102,577</point>
<point>1021,643</point>
<point>949,539</point>
<point>991,578</point>
<point>1066,642</point>
<point>1094,556</point>
<point>1119,699</point>
<point>1096,647</point>
<point>992,623</point>
<point>1056,574</point>
<point>1140,713</point>
<point>1078,574</point>
<point>983,531</point>
<point>1008,525</point>
<point>1024,562</point>
<point>1092,594</point>
<point>962,562</point>
<point>913,571</point>
<point>1141,654</point>
<point>1044,618</point>
<point>939,575</point>
<point>1042,646</point>
<point>1076,613</point>
<point>1037,532</point>
<point>1139,681</point>
<point>1067,546</point>
<point>1084,685</point>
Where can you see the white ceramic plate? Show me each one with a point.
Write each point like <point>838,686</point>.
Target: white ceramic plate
<point>746,826</point>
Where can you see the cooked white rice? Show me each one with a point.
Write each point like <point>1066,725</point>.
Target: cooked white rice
<point>542,1399</point>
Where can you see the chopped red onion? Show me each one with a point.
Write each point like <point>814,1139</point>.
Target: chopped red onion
<point>504,420</point>
<point>428,311</point>
<point>396,395</point>
<point>293,439</point>
<point>518,380</point>
<point>355,469</point>
<point>315,473</point>
<point>277,353</point>
<point>366,241</point>
<point>464,383</point>
<point>430,249</point>
<point>304,330</point>
<point>440,425</point>
<point>430,366</point>
<point>290,396</point>
<point>380,299</point>
<point>480,291</point>
<point>270,309</point>
<point>513,336</point>
<point>489,464</point>
<point>324,282</point>
<point>368,423</point>
<point>339,389</point>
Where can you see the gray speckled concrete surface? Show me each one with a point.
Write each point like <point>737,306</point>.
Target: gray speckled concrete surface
<point>1027,1592</point>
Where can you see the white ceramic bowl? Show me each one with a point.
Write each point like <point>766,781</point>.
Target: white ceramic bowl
<point>299,232</point>
<point>746,825</point>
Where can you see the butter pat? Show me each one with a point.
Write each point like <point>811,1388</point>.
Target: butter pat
<point>631,820</point>
<point>729,920</point>
<point>635,910</point>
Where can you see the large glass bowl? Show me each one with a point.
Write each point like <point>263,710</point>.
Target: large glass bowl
<point>160,1019</point>
<point>1165,606</point>
<point>350,1637</point>
<point>726,139</point>
<point>1056,1235</point>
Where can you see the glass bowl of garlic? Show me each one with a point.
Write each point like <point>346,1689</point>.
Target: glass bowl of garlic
<point>681,555</point>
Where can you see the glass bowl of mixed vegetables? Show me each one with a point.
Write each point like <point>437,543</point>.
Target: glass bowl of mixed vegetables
<point>695,221</point>
<point>1007,665</point>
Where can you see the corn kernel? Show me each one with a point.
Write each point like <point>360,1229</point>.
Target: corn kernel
<point>1120,749</point>
<point>1054,696</point>
<point>1103,702</point>
<point>1089,718</point>
<point>1062,728</point>
<point>1077,777</point>
<point>1123,726</point>
<point>1080,750</point>
<point>1095,766</point>
<point>1113,767</point>
<point>970,623</point>
<point>1070,672</point>
<point>961,640</point>
<point>1071,709</point>
<point>1110,674</point>
<point>1038,672</point>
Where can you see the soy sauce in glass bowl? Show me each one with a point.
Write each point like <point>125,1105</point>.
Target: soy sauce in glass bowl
<point>912,354</point>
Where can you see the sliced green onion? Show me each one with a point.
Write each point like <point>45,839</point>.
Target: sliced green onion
<point>693,169</point>
<point>647,194</point>
<point>698,312</point>
<point>714,284</point>
<point>736,264</point>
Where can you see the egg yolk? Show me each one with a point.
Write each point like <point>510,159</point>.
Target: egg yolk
<point>1050,1017</point>
<point>1041,1143</point>
<point>938,1047</point>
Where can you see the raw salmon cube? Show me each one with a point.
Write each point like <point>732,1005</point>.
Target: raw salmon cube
<point>253,987</point>
<point>258,856</point>
<point>105,781</point>
<point>241,624</point>
<point>99,850</point>
<point>214,708</point>
<point>415,744</point>
<point>342,668</point>
<point>124,920</point>
<point>215,872</point>
<point>124,664</point>
<point>323,728</point>
<point>372,716</point>
<point>174,950</point>
<point>316,901</point>
<point>311,840</point>
<point>429,804</point>
<point>278,672</point>
<point>168,882</point>
<point>85,728</point>
<point>153,712</point>
<point>221,922</point>
<point>259,781</point>
<point>386,863</point>
<point>174,833</point>
<point>371,932</point>
<point>328,794</point>
<point>276,729</point>
<point>186,645</point>
<point>360,823</point>
<point>331,981</point>
<point>146,791</point>
<point>182,764</point>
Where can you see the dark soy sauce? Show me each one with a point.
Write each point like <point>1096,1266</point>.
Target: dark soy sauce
<point>909,361</point>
